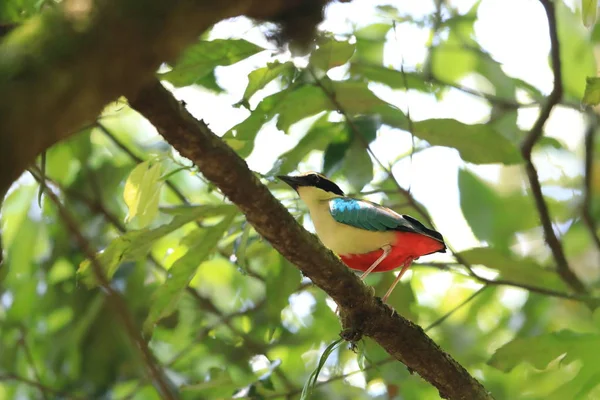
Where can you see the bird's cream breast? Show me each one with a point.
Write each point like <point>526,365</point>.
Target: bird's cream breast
<point>346,239</point>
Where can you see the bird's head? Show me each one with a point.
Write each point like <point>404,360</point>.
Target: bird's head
<point>312,187</point>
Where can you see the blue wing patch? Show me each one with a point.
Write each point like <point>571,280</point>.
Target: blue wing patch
<point>373,217</point>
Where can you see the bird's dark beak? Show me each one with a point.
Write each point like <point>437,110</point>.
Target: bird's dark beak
<point>293,181</point>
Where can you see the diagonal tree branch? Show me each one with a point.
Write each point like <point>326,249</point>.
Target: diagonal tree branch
<point>361,313</point>
<point>534,135</point>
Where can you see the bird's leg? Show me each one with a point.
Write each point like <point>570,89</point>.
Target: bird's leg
<point>405,266</point>
<point>386,251</point>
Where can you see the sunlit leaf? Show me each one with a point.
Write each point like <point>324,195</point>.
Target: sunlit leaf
<point>331,53</point>
<point>452,59</point>
<point>260,77</point>
<point>393,78</point>
<point>370,41</point>
<point>200,59</point>
<point>588,12</point>
<point>141,193</point>
<point>576,53</point>
<point>478,143</point>
<point>350,97</point>
<point>592,91</point>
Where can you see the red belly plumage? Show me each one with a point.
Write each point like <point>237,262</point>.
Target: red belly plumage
<point>407,246</point>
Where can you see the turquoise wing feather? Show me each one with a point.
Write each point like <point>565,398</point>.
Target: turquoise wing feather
<point>373,217</point>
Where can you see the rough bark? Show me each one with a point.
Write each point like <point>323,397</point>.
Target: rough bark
<point>362,314</point>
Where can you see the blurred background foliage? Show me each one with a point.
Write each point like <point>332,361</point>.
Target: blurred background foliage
<point>411,104</point>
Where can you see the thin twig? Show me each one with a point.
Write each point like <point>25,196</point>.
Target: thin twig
<point>530,140</point>
<point>466,301</point>
<point>504,282</point>
<point>155,374</point>
<point>586,212</point>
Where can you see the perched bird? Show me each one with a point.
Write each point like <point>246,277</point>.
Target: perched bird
<point>368,237</point>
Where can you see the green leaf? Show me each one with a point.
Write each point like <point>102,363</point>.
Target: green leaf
<point>209,81</point>
<point>136,244</point>
<point>331,53</point>
<point>576,51</point>
<point>370,42</point>
<point>321,133</point>
<point>200,59</point>
<point>301,103</point>
<point>166,297</point>
<point>282,280</point>
<point>592,91</point>
<point>351,96</point>
<point>60,165</point>
<point>478,143</point>
<point>142,192</point>
<point>392,78</point>
<point>295,104</point>
<point>588,12</point>
<point>259,78</point>
<point>336,151</point>
<point>241,137</point>
<point>451,60</point>
<point>314,376</point>
<point>485,210</point>
<point>516,269</point>
<point>539,351</point>
<point>357,165</point>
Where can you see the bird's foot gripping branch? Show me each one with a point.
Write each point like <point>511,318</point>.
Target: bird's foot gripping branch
<point>361,313</point>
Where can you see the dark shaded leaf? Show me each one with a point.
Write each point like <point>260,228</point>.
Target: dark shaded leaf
<point>317,138</point>
<point>358,167</point>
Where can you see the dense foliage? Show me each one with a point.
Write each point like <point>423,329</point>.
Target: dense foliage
<point>225,314</point>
